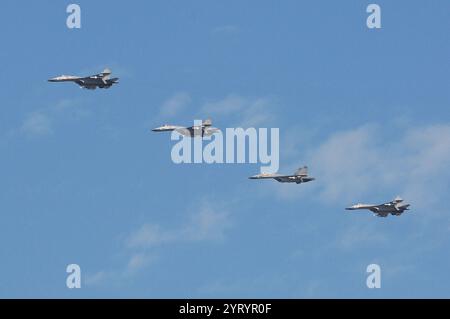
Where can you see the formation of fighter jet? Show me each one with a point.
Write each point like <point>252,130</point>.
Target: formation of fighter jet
<point>101,80</point>
<point>205,129</point>
<point>395,207</point>
<point>300,176</point>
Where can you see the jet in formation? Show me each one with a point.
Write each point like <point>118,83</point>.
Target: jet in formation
<point>101,80</point>
<point>205,129</point>
<point>300,176</point>
<point>395,207</point>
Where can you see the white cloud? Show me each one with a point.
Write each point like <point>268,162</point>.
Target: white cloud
<point>37,124</point>
<point>66,107</point>
<point>360,236</point>
<point>64,104</point>
<point>136,262</point>
<point>207,224</point>
<point>139,261</point>
<point>203,225</point>
<point>230,104</point>
<point>245,112</point>
<point>427,179</point>
<point>175,104</point>
<point>348,164</point>
<point>42,122</point>
<point>149,235</point>
<point>98,278</point>
<point>364,164</point>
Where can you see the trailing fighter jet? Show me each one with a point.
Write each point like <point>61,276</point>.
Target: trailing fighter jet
<point>395,207</point>
<point>101,80</point>
<point>205,129</point>
<point>300,176</point>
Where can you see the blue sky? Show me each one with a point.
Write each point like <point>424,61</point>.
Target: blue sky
<point>83,180</point>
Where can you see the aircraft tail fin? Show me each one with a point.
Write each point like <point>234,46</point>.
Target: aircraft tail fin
<point>302,171</point>
<point>398,199</point>
<point>207,122</point>
<point>105,74</point>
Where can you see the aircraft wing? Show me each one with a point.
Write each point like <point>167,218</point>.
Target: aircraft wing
<point>397,213</point>
<point>265,176</point>
<point>376,210</point>
<point>282,178</point>
<point>183,131</point>
<point>381,214</point>
<point>65,78</point>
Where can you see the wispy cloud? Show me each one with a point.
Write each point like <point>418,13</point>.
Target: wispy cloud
<point>175,104</point>
<point>243,111</point>
<point>364,163</point>
<point>37,124</point>
<point>97,278</point>
<point>139,261</point>
<point>348,163</point>
<point>204,225</point>
<point>208,224</point>
<point>136,262</point>
<point>43,122</point>
<point>360,236</point>
<point>149,235</point>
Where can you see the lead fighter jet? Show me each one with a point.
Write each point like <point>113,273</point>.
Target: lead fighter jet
<point>101,80</point>
<point>300,176</point>
<point>204,129</point>
<point>395,207</point>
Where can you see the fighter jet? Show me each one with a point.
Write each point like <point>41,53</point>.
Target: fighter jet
<point>395,207</point>
<point>205,129</point>
<point>300,176</point>
<point>101,80</point>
